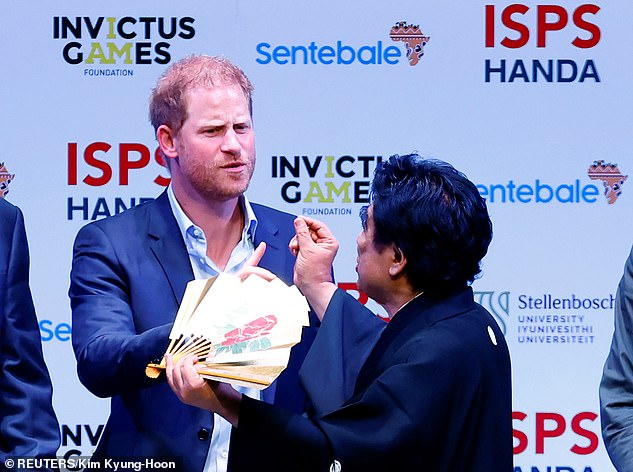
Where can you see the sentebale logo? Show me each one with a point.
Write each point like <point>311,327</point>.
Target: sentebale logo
<point>611,178</point>
<point>413,39</point>
<point>5,180</point>
<point>343,53</point>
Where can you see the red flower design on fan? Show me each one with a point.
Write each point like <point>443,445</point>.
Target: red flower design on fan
<point>256,328</point>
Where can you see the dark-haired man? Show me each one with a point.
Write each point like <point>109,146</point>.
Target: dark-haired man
<point>435,391</point>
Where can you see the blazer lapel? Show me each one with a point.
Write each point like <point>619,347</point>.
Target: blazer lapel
<point>166,243</point>
<point>274,256</point>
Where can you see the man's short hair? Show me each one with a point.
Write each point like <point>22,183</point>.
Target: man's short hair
<point>168,100</point>
<point>435,216</point>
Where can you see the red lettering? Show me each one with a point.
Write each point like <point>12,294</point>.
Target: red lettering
<point>542,432</point>
<point>524,31</point>
<point>554,425</point>
<point>72,163</point>
<point>104,167</point>
<point>131,156</point>
<point>352,286</point>
<point>490,26</point>
<point>519,435</point>
<point>543,26</point>
<point>516,18</point>
<point>587,26</point>
<point>585,433</point>
<point>160,159</point>
<point>125,164</point>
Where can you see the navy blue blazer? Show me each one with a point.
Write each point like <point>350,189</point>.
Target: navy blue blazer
<point>434,394</point>
<point>128,277</point>
<point>28,426</point>
<point>616,386</point>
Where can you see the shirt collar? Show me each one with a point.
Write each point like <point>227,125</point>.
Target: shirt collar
<point>184,222</point>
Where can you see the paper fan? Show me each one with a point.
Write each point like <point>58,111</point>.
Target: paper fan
<point>241,331</point>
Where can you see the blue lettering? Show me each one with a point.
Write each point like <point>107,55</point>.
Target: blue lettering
<point>261,49</point>
<point>551,70</point>
<point>280,54</point>
<point>501,70</point>
<point>524,193</point>
<point>371,56</point>
<point>539,192</point>
<point>326,53</point>
<point>45,332</point>
<point>340,49</point>
<point>539,189</point>
<point>550,468</point>
<point>589,71</point>
<point>573,68</point>
<point>590,193</point>
<point>518,71</point>
<point>340,54</point>
<point>392,55</point>
<point>49,331</point>
<point>63,332</point>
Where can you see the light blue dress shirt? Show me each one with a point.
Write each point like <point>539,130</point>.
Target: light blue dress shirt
<point>203,268</point>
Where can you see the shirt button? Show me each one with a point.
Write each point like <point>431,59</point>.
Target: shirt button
<point>203,434</point>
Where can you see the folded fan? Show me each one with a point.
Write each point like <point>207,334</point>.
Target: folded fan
<point>241,331</point>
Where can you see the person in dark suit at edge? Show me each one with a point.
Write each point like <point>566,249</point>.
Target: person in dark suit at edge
<point>616,385</point>
<point>28,425</point>
<point>435,392</point>
<point>129,271</point>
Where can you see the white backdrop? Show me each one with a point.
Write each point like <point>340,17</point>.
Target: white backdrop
<point>503,92</point>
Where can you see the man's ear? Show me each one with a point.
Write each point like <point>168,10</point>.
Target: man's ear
<point>166,141</point>
<point>398,262</point>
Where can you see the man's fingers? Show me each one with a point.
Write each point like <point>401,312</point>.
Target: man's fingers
<point>302,232</point>
<point>259,271</point>
<point>293,245</point>
<point>174,378</point>
<point>257,255</point>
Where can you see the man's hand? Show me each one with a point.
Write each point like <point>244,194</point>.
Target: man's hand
<point>193,389</point>
<point>315,247</point>
<point>250,266</point>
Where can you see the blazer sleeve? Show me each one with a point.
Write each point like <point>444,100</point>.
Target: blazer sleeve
<point>347,334</point>
<point>28,426</point>
<point>616,391</point>
<point>111,355</point>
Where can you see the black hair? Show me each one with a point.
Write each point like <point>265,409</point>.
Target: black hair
<point>435,216</point>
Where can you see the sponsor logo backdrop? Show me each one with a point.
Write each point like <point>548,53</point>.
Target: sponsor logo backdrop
<point>531,100</point>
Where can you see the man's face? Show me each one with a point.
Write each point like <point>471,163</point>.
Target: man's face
<point>372,263</point>
<point>216,143</point>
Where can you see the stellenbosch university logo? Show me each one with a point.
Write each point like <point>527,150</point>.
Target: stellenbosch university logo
<point>111,41</point>
<point>342,52</point>
<point>546,318</point>
<point>5,180</point>
<point>574,191</point>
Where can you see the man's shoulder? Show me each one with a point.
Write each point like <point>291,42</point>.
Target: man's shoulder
<point>129,221</point>
<point>7,209</point>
